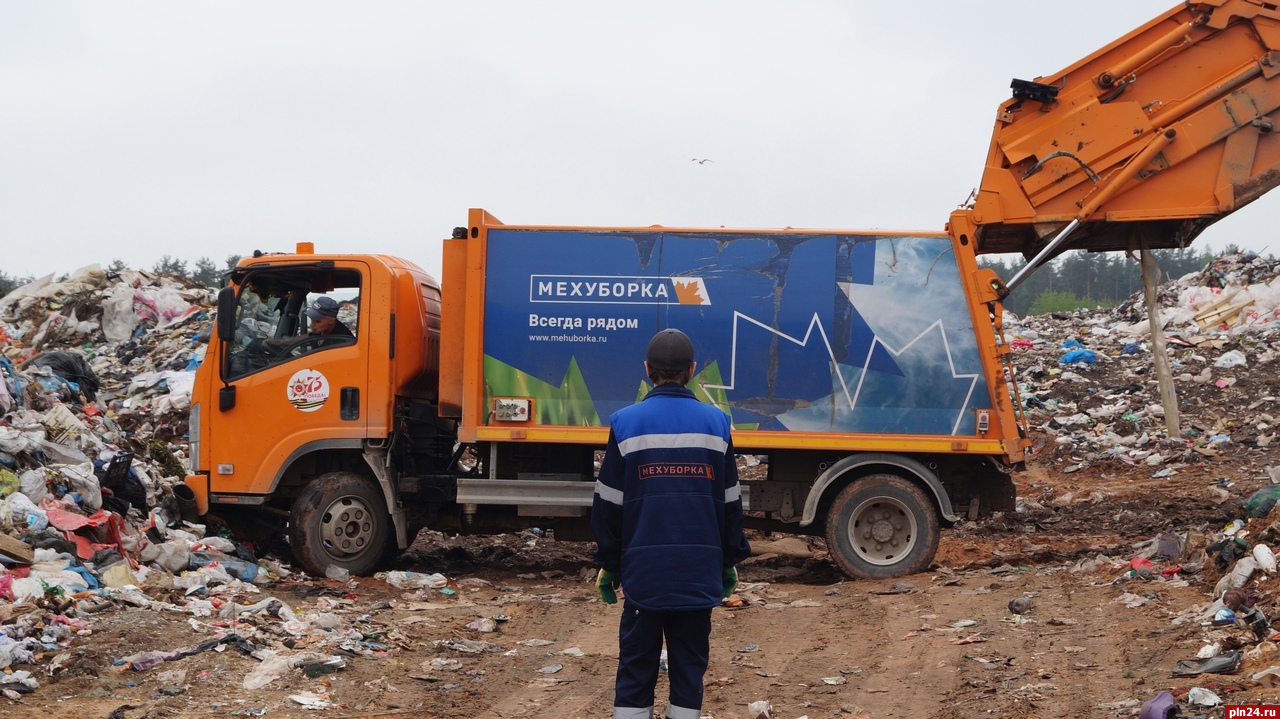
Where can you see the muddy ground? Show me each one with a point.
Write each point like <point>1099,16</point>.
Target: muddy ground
<point>941,644</point>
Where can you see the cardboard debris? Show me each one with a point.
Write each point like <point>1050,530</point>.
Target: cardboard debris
<point>16,549</point>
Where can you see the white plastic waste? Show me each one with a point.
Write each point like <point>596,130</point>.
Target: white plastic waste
<point>17,508</point>
<point>33,483</point>
<point>173,555</point>
<point>272,668</point>
<point>13,441</point>
<point>275,665</point>
<point>1234,358</point>
<point>118,317</point>
<point>415,580</point>
<point>1209,650</point>
<point>82,480</point>
<point>1269,677</point>
<point>1200,696</point>
<point>1242,571</point>
<point>221,544</point>
<point>1265,558</point>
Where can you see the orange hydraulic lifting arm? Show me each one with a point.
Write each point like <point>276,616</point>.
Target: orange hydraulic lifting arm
<point>1152,138</point>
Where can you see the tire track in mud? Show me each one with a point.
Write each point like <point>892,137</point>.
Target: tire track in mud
<point>917,669</point>
<point>584,687</point>
<point>787,642</point>
<point>865,641</point>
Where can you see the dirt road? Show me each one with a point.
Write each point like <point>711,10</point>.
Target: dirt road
<point>941,644</point>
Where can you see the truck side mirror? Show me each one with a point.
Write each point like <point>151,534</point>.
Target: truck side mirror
<point>226,313</point>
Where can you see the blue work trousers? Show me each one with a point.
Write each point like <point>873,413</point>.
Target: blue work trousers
<point>640,636</point>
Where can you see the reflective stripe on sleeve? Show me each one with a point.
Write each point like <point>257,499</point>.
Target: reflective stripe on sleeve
<point>733,493</point>
<point>673,441</point>
<point>608,494</point>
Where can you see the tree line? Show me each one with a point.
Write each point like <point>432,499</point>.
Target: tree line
<point>203,272</point>
<point>1080,279</point>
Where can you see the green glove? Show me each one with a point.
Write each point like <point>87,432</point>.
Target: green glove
<point>728,582</point>
<point>607,584</point>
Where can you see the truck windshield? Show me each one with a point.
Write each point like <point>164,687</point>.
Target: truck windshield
<point>285,314</point>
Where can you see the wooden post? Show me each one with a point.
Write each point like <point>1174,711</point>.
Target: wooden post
<point>1164,373</point>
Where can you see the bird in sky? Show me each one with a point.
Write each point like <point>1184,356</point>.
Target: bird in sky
<point>701,162</point>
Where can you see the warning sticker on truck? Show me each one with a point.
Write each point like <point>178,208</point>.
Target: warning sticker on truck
<point>307,390</point>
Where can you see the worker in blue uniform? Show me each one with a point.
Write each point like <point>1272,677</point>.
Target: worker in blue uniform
<point>667,517</point>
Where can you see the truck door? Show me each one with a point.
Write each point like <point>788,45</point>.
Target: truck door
<point>298,363</point>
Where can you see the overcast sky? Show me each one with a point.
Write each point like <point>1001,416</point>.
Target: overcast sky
<point>133,130</point>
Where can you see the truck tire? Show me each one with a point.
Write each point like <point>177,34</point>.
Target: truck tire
<point>882,526</point>
<point>340,520</point>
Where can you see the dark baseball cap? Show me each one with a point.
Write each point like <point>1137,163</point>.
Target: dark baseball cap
<point>669,350</point>
<point>323,307</point>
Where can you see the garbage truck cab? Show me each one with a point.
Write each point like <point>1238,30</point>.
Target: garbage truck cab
<point>291,423</point>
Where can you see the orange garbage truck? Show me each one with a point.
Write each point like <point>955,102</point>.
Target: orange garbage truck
<point>865,370</point>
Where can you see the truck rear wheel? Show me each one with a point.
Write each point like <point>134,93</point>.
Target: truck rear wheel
<point>882,526</point>
<point>340,520</point>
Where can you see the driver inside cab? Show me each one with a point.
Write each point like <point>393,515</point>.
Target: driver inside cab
<point>323,317</point>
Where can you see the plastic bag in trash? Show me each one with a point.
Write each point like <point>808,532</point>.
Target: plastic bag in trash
<point>1074,356</point>
<point>1234,358</point>
<point>275,665</point>
<point>55,453</point>
<point>1269,677</point>
<point>219,566</point>
<point>34,483</point>
<point>20,510</point>
<point>172,556</point>
<point>415,580</point>
<point>83,480</point>
<point>1242,571</point>
<point>1200,696</point>
<point>1261,502</point>
<point>1228,663</point>
<point>73,368</point>
<point>13,441</point>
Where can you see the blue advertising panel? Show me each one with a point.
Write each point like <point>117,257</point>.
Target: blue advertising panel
<point>814,332</point>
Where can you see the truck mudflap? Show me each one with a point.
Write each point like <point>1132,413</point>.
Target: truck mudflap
<point>838,469</point>
<point>199,484</point>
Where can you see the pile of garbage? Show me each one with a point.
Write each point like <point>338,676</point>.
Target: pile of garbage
<point>1236,632</point>
<point>96,372</point>
<point>1087,378</point>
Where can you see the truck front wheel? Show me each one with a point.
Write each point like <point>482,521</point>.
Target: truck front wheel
<point>882,526</point>
<point>339,520</point>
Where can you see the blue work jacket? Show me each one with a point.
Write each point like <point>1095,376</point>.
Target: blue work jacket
<point>667,512</point>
